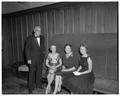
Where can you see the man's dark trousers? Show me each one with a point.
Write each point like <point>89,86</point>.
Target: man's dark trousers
<point>35,75</point>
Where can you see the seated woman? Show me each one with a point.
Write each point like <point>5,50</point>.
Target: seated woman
<point>83,81</point>
<point>70,63</point>
<point>53,62</point>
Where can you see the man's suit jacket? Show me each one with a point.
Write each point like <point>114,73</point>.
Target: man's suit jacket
<point>32,49</point>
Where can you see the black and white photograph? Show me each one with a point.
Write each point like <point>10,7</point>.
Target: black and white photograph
<point>60,47</point>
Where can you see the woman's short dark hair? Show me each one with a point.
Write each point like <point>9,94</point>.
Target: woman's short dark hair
<point>83,45</point>
<point>68,45</point>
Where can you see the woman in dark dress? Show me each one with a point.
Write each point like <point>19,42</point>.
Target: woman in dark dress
<point>83,80</point>
<point>69,65</point>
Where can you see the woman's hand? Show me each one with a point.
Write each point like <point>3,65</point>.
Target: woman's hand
<point>63,70</point>
<point>76,73</point>
<point>80,67</point>
<point>63,67</point>
<point>53,67</point>
<point>51,71</point>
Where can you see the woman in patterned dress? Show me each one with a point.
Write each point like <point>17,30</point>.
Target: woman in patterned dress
<point>53,62</point>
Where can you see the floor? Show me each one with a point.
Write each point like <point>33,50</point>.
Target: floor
<point>13,83</point>
<point>17,84</point>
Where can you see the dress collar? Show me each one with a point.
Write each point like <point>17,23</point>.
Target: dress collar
<point>71,55</point>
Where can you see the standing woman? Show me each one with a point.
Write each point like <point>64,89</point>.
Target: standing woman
<point>84,77</point>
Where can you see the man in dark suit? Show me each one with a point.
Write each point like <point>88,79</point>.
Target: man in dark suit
<point>35,52</point>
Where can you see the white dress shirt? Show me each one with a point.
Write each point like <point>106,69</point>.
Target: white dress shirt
<point>38,40</point>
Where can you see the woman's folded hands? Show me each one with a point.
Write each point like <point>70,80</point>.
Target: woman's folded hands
<point>77,73</point>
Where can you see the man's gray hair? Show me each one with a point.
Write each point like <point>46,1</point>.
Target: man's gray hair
<point>36,28</point>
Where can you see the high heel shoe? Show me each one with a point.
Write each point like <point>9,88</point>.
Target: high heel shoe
<point>59,92</point>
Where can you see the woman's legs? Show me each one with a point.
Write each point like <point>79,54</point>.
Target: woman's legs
<point>50,78</point>
<point>58,82</point>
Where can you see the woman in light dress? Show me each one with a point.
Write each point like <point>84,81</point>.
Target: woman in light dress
<point>54,63</point>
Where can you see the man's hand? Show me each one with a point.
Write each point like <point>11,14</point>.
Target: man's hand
<point>29,62</point>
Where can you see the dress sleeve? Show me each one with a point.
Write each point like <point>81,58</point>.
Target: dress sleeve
<point>58,58</point>
<point>62,57</point>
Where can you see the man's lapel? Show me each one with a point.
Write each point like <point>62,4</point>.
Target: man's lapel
<point>40,39</point>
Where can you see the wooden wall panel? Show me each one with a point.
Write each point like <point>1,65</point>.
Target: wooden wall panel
<point>51,29</point>
<point>15,44</point>
<point>5,56</point>
<point>83,18</point>
<point>100,19</point>
<point>69,19</point>
<point>88,19</point>
<point>30,24</point>
<point>44,27</point>
<point>21,33</point>
<point>43,16</point>
<point>12,36</point>
<point>19,39</point>
<point>36,19</point>
<point>58,21</point>
<point>23,28</point>
<point>94,19</point>
<point>9,42</point>
<point>27,25</point>
<point>110,19</point>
